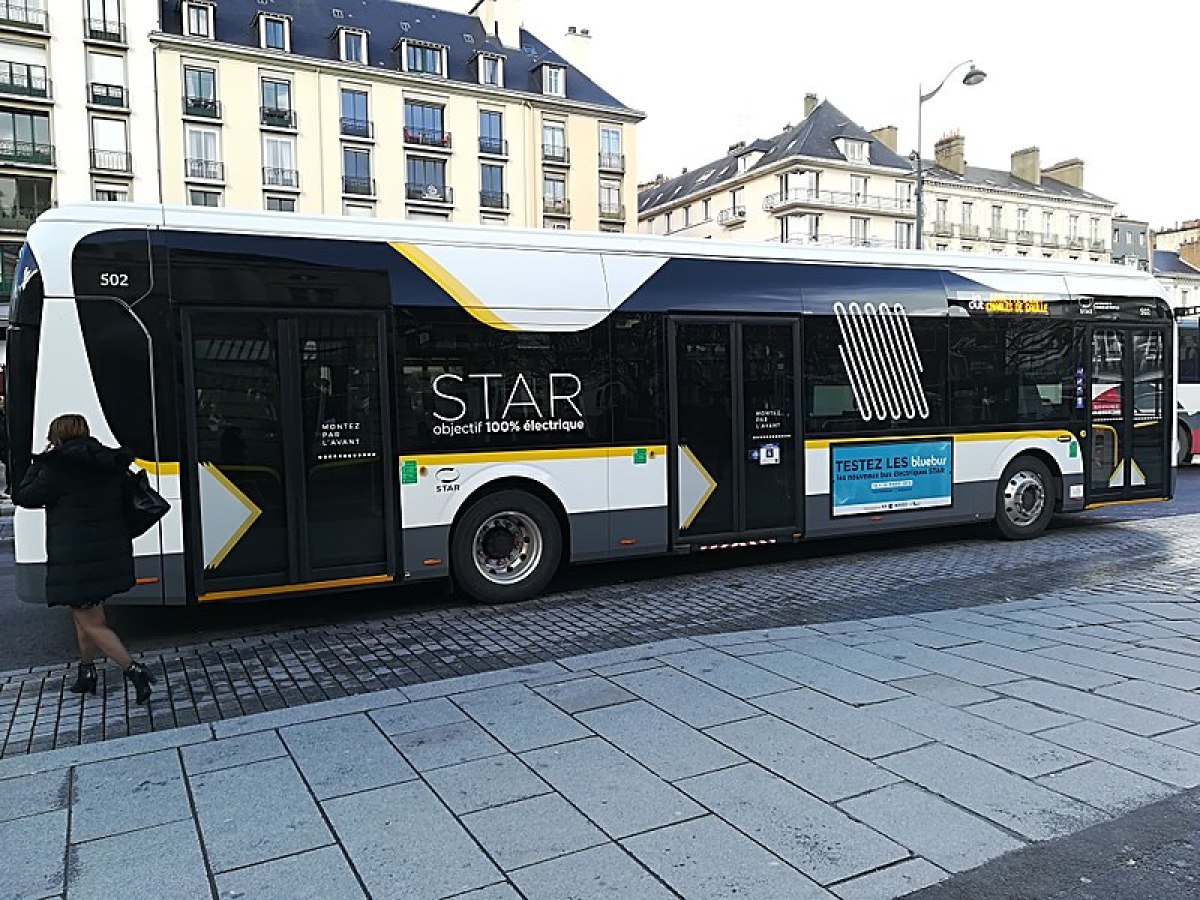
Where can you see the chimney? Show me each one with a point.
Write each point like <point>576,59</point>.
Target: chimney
<point>502,19</point>
<point>1026,165</point>
<point>887,136</point>
<point>1069,171</point>
<point>950,153</point>
<point>577,48</point>
<point>810,103</point>
<point>1189,252</point>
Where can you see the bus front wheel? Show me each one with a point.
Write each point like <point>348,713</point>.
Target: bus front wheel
<point>1024,499</point>
<point>1183,455</point>
<point>505,548</point>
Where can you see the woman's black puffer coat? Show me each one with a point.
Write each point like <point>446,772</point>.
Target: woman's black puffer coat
<point>89,555</point>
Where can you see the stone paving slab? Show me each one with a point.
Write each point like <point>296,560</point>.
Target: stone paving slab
<point>681,769</point>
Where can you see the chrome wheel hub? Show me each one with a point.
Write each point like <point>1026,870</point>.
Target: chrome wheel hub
<point>1024,498</point>
<point>507,547</point>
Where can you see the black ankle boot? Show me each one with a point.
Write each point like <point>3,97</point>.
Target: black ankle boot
<point>85,680</point>
<point>141,679</point>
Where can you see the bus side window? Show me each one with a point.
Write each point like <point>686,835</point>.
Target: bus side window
<point>1189,354</point>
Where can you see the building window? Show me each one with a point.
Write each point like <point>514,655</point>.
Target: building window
<point>858,188</point>
<point>200,92</point>
<point>281,204</point>
<point>104,18</point>
<point>204,154</point>
<point>556,224</point>
<point>426,178</point>
<point>355,120</point>
<point>904,194</point>
<point>554,141</point>
<point>943,209</point>
<point>424,58</point>
<point>274,33</point>
<point>707,210</point>
<point>1047,222</point>
<point>1073,228</point>
<point>1022,219</point>
<point>904,235</point>
<point>941,248</point>
<point>554,81</point>
<point>423,124</point>
<point>667,224</point>
<point>198,19</point>
<point>204,198</point>
<point>968,212</point>
<point>25,137</point>
<point>491,132</point>
<point>491,187</point>
<point>491,70</point>
<point>1094,233</point>
<point>356,171</point>
<point>859,231</point>
<point>493,221</point>
<point>610,201</point>
<point>110,145</point>
<point>359,210</point>
<point>997,216</point>
<point>279,162</point>
<point>276,98</point>
<point>111,193</point>
<point>855,151</point>
<point>354,45</point>
<point>554,194</point>
<point>611,156</point>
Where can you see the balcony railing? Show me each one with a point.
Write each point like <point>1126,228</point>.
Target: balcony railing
<point>732,215</point>
<point>998,234</point>
<point>1075,243</point>
<point>15,219</point>
<point>360,128</point>
<point>1096,245</point>
<point>850,199</point>
<point>205,169</point>
<point>427,137</point>
<point>556,154</point>
<point>358,184</point>
<point>1049,239</point>
<point>968,232</point>
<point>112,160</point>
<point>1024,236</point>
<point>556,206</point>
<point>277,117</point>
<point>100,30</point>
<point>16,13</point>
<point>428,193</point>
<point>612,211</point>
<point>493,200</point>
<point>108,95</point>
<point>842,240</point>
<point>20,81</point>
<point>28,152</point>
<point>493,146</point>
<point>943,229</point>
<point>284,178</point>
<point>202,107</point>
<point>612,162</point>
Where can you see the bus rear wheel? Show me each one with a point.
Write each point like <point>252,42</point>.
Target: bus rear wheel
<point>505,548</point>
<point>1183,456</point>
<point>1024,499</point>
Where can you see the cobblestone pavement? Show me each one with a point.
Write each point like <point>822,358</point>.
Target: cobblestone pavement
<point>852,759</point>
<point>218,680</point>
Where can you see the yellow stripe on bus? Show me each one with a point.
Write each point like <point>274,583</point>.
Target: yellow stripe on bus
<point>824,443</point>
<point>497,456</point>
<point>294,588</point>
<point>451,285</point>
<point>161,468</point>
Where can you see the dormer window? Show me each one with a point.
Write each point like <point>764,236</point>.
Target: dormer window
<point>198,18</point>
<point>427,59</point>
<point>491,69</point>
<point>274,32</point>
<point>852,150</point>
<point>554,81</point>
<point>353,45</point>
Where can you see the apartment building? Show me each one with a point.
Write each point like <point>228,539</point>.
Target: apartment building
<point>824,181</point>
<point>77,116</point>
<point>379,108</point>
<point>1024,211</point>
<point>1174,237</point>
<point>1131,243</point>
<point>1178,271</point>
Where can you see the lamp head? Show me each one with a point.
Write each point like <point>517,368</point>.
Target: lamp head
<point>974,76</point>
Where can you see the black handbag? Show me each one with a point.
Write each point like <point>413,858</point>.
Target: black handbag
<point>144,506</point>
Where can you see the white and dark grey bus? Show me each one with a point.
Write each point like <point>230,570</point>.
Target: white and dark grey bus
<point>339,403</point>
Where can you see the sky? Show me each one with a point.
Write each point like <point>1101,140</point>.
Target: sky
<point>1110,83</point>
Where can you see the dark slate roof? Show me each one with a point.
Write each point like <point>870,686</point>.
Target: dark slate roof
<point>813,137</point>
<point>314,22</point>
<point>1167,262</point>
<point>1004,180</point>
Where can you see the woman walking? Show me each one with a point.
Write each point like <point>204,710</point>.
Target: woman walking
<point>89,554</point>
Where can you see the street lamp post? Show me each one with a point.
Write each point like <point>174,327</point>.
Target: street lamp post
<point>972,78</point>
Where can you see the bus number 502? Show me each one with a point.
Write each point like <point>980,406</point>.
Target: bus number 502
<point>113,279</point>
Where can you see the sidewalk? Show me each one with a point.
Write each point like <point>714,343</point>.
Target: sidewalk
<point>855,760</point>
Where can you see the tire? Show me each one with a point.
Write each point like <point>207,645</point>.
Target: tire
<point>505,548</point>
<point>1024,499</point>
<point>1183,455</point>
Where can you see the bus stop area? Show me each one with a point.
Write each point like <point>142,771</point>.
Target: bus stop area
<point>989,749</point>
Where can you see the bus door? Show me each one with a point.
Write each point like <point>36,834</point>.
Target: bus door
<point>1129,427</point>
<point>735,447</point>
<point>289,448</point>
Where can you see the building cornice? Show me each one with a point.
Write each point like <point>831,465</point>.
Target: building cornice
<point>788,162</point>
<point>242,53</point>
<point>935,184</point>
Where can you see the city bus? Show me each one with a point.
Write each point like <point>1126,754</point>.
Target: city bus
<point>1187,392</point>
<point>342,403</point>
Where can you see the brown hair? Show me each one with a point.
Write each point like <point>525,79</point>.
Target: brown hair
<point>66,428</point>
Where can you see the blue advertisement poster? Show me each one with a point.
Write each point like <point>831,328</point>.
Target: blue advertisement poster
<point>886,477</point>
